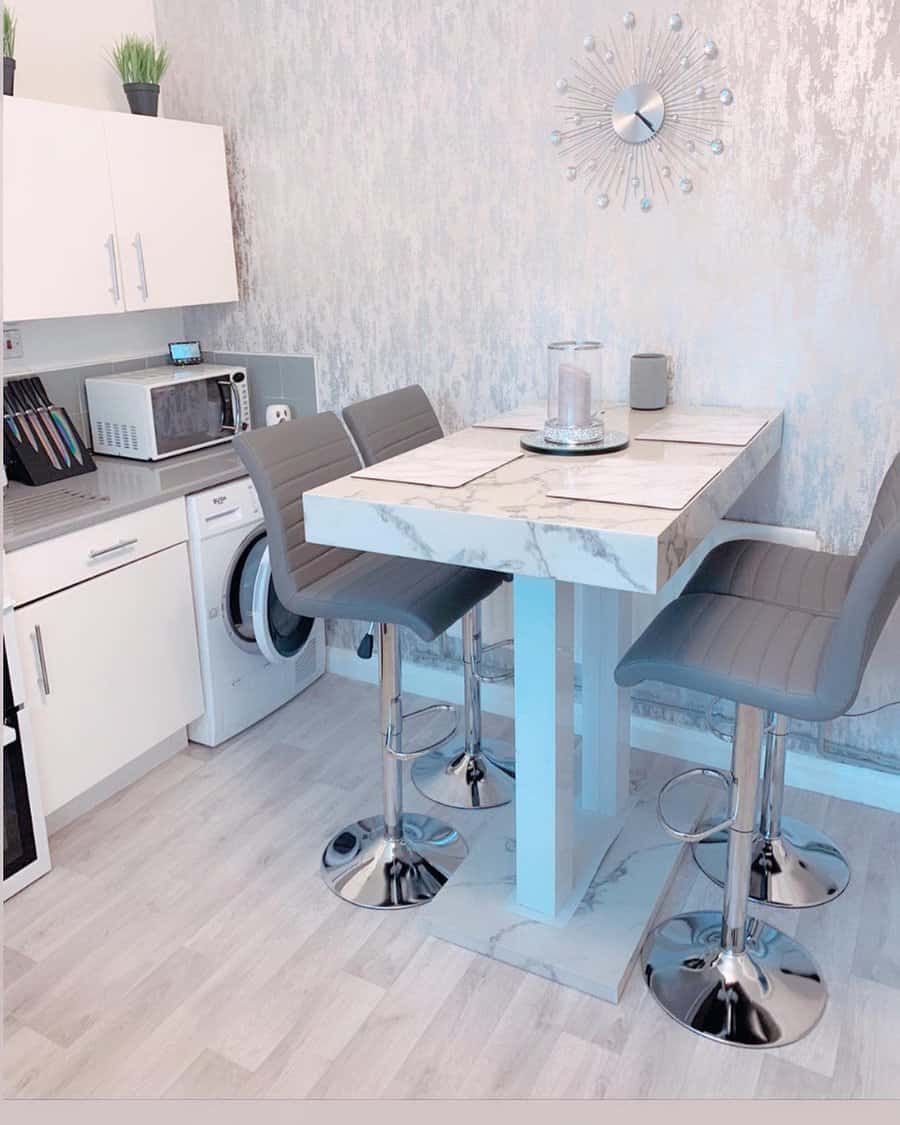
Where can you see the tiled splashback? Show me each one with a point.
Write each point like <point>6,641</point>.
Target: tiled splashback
<point>273,378</point>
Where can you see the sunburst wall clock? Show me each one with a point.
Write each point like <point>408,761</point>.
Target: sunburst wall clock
<point>644,112</point>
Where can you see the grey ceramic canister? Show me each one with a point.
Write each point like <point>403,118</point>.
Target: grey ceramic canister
<point>649,381</point>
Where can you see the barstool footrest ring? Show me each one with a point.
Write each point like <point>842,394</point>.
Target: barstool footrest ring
<point>492,677</point>
<point>409,755</point>
<point>730,785</point>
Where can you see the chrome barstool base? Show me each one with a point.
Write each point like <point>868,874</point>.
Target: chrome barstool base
<point>361,865</point>
<point>801,867</point>
<point>769,995</point>
<point>462,780</point>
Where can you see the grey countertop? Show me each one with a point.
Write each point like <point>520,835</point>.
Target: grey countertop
<point>119,486</point>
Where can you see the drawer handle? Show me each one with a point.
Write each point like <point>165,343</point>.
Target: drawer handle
<point>42,660</point>
<point>120,546</point>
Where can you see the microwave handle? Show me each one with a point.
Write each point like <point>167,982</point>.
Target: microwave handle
<point>235,407</point>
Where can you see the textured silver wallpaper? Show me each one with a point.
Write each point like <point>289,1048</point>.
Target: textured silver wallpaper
<point>401,214</point>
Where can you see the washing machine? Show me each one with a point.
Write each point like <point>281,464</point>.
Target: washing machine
<point>254,654</point>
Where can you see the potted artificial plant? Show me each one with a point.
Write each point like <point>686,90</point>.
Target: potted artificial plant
<point>9,50</point>
<point>140,64</point>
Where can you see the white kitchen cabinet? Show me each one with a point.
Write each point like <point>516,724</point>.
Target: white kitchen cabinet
<point>110,212</point>
<point>58,220</point>
<point>173,215</point>
<point>111,669</point>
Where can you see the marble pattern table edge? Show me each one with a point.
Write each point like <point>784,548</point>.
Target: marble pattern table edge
<point>637,555</point>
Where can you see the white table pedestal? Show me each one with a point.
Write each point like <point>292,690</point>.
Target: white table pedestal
<point>591,946</point>
<point>566,883</point>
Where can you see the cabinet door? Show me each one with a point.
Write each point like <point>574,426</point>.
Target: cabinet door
<point>59,253</point>
<point>173,217</point>
<point>111,668</point>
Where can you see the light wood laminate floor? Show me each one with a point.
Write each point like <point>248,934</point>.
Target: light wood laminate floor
<point>184,946</point>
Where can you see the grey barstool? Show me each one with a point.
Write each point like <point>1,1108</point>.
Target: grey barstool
<point>724,975</point>
<point>794,864</point>
<point>477,772</point>
<point>398,859</point>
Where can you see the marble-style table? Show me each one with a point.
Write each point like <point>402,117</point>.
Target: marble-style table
<point>569,889</point>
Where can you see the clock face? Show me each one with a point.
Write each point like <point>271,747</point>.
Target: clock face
<point>642,113</point>
<point>638,112</point>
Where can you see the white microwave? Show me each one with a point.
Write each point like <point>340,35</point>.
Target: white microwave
<point>163,411</point>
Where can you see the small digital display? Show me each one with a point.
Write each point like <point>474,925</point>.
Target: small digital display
<point>185,351</point>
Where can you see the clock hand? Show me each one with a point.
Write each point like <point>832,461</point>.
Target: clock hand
<point>637,113</point>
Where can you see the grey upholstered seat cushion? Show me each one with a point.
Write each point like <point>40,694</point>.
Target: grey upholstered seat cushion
<point>748,651</point>
<point>805,657</point>
<point>423,596</point>
<point>392,423</point>
<point>795,577</point>
<point>285,461</point>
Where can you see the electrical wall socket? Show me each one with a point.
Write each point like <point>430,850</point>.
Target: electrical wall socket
<point>12,343</point>
<point>277,412</point>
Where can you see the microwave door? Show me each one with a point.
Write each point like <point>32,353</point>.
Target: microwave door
<point>187,414</point>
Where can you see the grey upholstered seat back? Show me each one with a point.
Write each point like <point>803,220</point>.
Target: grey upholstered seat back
<point>874,590</point>
<point>886,511</point>
<point>283,462</point>
<point>392,423</point>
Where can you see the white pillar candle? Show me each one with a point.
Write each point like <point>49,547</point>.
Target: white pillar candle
<point>574,401</point>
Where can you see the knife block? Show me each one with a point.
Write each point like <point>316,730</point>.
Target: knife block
<point>33,466</point>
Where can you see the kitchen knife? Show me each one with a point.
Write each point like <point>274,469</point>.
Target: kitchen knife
<point>62,422</point>
<point>39,428</point>
<point>10,420</point>
<point>20,416</point>
<point>50,427</point>
<point>39,397</point>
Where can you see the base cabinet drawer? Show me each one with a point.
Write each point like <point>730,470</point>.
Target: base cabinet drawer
<point>111,668</point>
<point>33,572</point>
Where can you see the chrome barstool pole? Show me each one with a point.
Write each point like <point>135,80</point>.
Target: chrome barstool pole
<point>794,865</point>
<point>725,976</point>
<point>398,859</point>
<point>479,773</point>
<point>391,729</point>
<point>773,775</point>
<point>745,770</point>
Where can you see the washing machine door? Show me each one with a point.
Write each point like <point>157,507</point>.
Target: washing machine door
<point>256,616</point>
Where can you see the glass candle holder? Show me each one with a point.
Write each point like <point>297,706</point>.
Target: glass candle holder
<point>573,389</point>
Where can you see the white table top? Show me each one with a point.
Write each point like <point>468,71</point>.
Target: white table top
<point>506,521</point>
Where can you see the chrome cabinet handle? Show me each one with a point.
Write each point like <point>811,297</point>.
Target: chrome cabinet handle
<point>142,269</point>
<point>113,268</point>
<point>120,546</point>
<point>42,660</point>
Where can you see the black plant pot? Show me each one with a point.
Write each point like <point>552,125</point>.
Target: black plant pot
<point>143,98</point>
<point>9,75</point>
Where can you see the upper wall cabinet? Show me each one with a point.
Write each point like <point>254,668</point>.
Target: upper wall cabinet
<point>59,248</point>
<point>173,217</point>
<point>105,212</point>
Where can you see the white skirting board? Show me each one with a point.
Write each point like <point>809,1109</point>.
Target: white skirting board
<point>858,783</point>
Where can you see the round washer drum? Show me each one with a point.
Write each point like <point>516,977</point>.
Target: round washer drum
<point>254,615</point>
